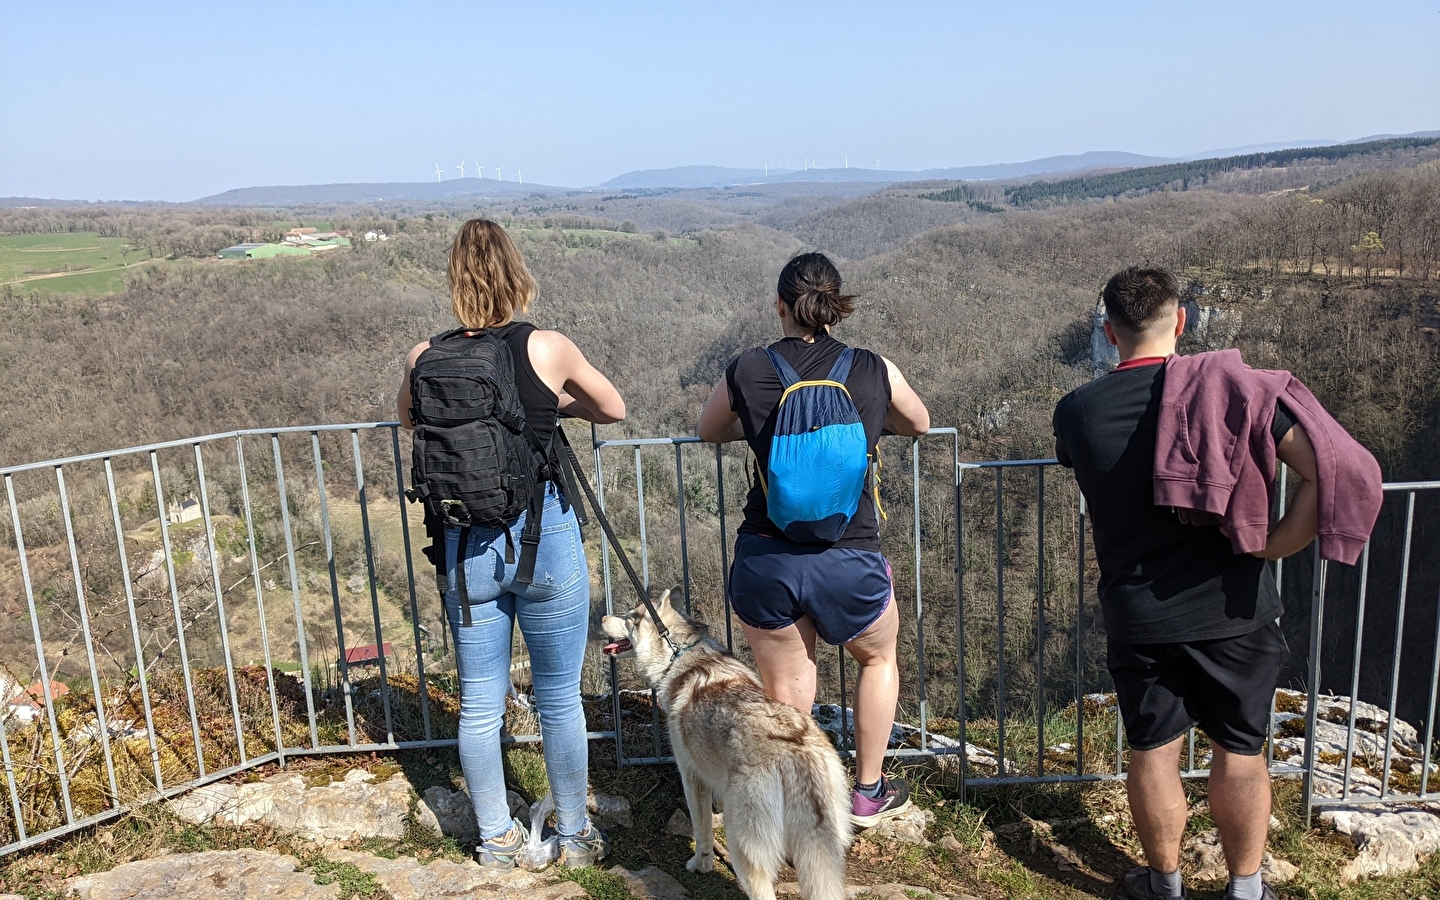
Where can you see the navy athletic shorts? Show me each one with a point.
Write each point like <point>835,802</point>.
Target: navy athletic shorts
<point>773,582</point>
<point>1224,686</point>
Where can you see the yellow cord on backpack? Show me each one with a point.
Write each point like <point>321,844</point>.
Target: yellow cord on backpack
<point>875,480</point>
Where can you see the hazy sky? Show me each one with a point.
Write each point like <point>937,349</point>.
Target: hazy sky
<point>175,101</point>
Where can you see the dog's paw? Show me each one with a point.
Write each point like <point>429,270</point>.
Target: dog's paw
<point>701,862</point>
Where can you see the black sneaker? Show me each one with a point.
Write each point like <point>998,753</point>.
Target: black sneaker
<point>893,800</point>
<point>1137,886</point>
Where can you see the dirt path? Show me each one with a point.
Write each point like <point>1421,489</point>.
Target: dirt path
<point>80,272</point>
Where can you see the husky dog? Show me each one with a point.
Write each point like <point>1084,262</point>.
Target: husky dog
<point>781,783</point>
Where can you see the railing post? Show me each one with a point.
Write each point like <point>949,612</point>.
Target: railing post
<point>1317,615</point>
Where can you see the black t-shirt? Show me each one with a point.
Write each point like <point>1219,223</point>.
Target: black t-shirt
<point>1161,581</point>
<point>754,392</point>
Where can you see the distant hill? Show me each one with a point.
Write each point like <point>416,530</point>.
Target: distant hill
<point>721,176</point>
<point>297,194</point>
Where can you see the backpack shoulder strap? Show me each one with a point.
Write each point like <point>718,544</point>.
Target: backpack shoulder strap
<point>841,370</point>
<point>446,335</point>
<point>787,373</point>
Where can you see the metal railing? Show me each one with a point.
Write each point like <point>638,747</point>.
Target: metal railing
<point>1002,653</point>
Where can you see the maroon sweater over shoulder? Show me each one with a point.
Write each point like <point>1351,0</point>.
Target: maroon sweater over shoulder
<point>1215,455</point>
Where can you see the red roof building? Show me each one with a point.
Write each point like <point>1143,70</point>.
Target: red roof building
<point>34,696</point>
<point>369,653</point>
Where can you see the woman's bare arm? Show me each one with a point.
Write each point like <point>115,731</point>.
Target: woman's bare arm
<point>718,422</point>
<point>582,391</point>
<point>908,415</point>
<point>403,401</point>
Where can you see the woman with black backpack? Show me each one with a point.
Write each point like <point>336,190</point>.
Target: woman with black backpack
<point>807,555</point>
<point>463,396</point>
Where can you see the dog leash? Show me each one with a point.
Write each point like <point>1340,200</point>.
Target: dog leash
<point>604,520</point>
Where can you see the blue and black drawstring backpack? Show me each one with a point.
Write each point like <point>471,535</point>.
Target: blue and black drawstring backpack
<point>818,457</point>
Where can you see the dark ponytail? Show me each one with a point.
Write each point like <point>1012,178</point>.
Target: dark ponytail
<point>810,286</point>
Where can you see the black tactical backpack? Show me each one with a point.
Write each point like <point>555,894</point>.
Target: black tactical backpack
<point>475,462</point>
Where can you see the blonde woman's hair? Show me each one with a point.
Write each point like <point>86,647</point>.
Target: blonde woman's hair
<point>489,281</point>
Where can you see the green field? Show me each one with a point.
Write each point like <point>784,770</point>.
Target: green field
<point>75,263</point>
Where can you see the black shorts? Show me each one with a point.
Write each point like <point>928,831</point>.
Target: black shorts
<point>773,582</point>
<point>1225,686</point>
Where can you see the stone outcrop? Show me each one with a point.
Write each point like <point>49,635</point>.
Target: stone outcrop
<point>909,827</point>
<point>1203,860</point>
<point>406,878</point>
<point>357,806</point>
<point>651,884</point>
<point>215,875</point>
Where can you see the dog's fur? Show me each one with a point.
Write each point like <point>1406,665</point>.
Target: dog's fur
<point>783,789</point>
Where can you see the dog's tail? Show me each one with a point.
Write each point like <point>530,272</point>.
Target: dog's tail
<point>821,836</point>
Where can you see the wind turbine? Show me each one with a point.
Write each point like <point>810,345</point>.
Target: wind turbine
<point>767,170</point>
<point>519,176</point>
<point>847,162</point>
<point>497,172</point>
<point>438,171</point>
<point>479,171</point>
<point>461,167</point>
<point>877,162</point>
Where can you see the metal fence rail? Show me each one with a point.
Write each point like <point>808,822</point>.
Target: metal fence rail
<point>225,591</point>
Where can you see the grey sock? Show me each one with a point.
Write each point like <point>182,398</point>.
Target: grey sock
<point>873,791</point>
<point>1245,887</point>
<point>1166,885</point>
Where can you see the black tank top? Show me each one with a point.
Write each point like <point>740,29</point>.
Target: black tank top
<point>541,404</point>
<point>755,392</point>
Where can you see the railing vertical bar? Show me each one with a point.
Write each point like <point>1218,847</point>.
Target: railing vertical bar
<point>141,675</point>
<point>306,675</point>
<point>220,604</point>
<point>1399,638</point>
<point>1000,617</point>
<point>84,609</point>
<point>960,711</point>
<point>1080,640</point>
<point>1430,709</point>
<point>1040,620</point>
<point>844,701</point>
<point>259,595</point>
<point>1312,710</point>
<point>919,596</point>
<point>341,663</point>
<point>684,539</point>
<point>45,693</point>
<point>609,598</point>
<point>1355,669</point>
<point>420,647</point>
<point>10,783</point>
<point>724,545</point>
<point>1282,479</point>
<point>362,491</point>
<point>645,577</point>
<point>1190,750</point>
<point>175,606</point>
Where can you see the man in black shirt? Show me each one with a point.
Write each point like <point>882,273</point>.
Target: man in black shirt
<point>1193,628</point>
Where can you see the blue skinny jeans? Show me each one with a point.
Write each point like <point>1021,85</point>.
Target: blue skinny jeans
<point>554,616</point>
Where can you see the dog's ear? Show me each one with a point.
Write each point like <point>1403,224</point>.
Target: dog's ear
<point>663,601</point>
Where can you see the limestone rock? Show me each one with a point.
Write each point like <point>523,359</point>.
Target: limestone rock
<point>679,824</point>
<point>610,810</point>
<point>1204,860</point>
<point>909,827</point>
<point>949,842</point>
<point>1391,842</point>
<point>215,875</point>
<point>650,884</point>
<point>355,584</point>
<point>449,812</point>
<point>354,807</point>
<point>406,878</point>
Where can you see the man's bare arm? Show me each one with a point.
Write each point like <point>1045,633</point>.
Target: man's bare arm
<point>1300,524</point>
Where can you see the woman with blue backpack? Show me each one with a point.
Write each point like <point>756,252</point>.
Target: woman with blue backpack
<point>484,401</point>
<point>807,555</point>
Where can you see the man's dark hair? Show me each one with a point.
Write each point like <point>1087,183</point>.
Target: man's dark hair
<point>1137,296</point>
